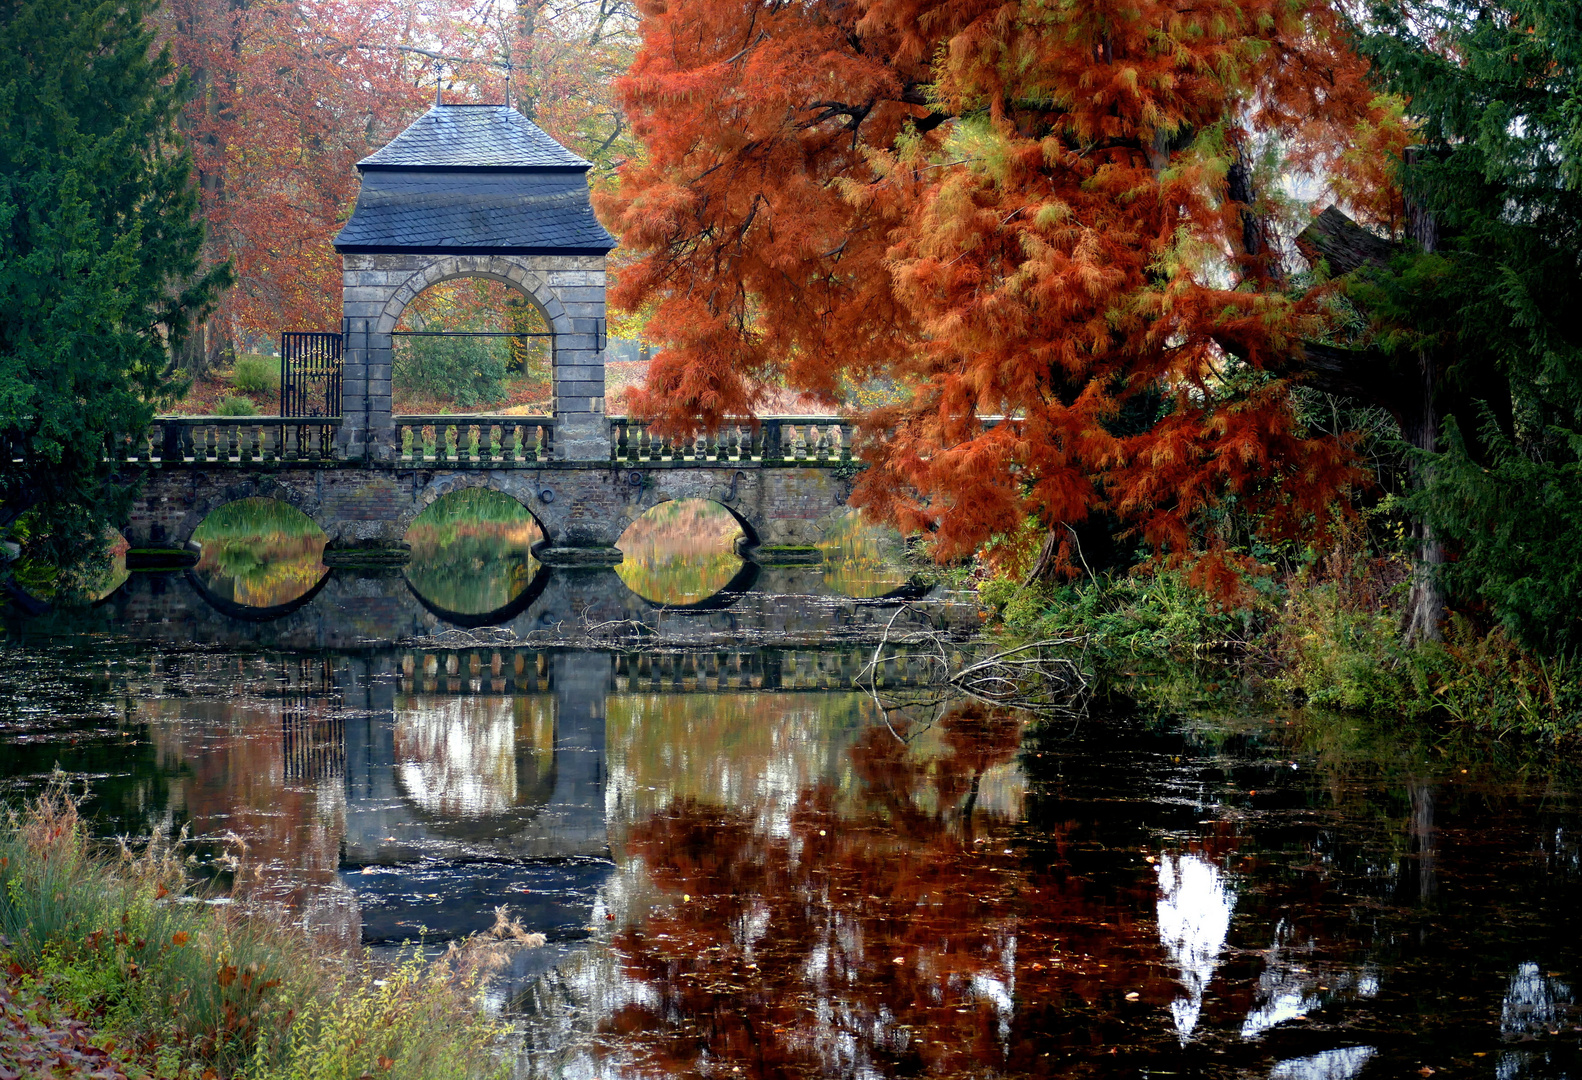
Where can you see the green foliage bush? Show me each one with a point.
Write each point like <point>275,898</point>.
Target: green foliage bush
<point>467,370</point>
<point>186,987</point>
<point>1154,615</point>
<point>255,374</point>
<point>236,406</point>
<point>1333,641</point>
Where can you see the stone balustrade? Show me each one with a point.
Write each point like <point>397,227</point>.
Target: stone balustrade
<point>473,440</point>
<point>238,440</point>
<point>774,439</point>
<point>468,441</point>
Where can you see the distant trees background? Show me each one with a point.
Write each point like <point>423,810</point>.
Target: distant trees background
<point>287,95</point>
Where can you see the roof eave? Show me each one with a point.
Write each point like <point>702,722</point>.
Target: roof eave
<point>383,167</point>
<point>450,249</point>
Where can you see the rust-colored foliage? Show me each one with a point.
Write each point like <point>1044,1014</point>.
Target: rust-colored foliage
<point>885,937</point>
<point>287,95</point>
<point>1040,211</point>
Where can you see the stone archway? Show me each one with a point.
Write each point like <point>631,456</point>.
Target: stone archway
<point>568,290</point>
<point>501,268</point>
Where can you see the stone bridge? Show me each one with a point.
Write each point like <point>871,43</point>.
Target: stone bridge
<point>475,191</point>
<point>784,479</point>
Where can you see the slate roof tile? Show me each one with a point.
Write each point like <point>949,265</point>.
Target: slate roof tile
<point>476,136</point>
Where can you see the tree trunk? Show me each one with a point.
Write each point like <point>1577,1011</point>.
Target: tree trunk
<point>1425,603</point>
<point>1043,568</point>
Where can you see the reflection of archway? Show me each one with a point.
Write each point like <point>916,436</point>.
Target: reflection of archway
<point>477,768</point>
<point>232,609</point>
<point>729,593</point>
<point>469,544</point>
<point>523,601</point>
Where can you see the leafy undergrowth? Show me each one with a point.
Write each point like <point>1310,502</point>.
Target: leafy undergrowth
<point>1326,635</point>
<point>37,1039</point>
<point>182,989</point>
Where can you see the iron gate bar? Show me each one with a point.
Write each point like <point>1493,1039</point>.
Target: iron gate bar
<point>311,366</point>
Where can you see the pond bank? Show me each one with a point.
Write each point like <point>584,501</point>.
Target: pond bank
<point>143,978</point>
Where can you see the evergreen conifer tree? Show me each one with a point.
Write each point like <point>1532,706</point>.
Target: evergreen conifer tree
<point>99,259</point>
<point>1498,90</point>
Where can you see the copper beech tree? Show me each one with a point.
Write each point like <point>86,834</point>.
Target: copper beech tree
<point>1042,211</point>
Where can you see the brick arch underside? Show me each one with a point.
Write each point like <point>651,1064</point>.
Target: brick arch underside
<point>502,268</point>
<point>743,516</point>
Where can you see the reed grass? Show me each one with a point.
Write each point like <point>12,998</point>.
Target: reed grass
<point>182,987</point>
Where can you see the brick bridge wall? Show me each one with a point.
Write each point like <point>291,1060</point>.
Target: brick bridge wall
<point>576,505</point>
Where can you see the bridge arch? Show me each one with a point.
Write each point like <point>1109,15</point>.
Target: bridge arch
<point>501,268</point>
<point>736,491</point>
<point>520,489</point>
<point>205,500</point>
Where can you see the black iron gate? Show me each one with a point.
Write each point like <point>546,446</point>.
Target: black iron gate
<point>310,374</point>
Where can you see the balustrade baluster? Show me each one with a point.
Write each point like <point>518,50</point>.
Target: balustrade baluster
<point>823,443</point>
<point>510,441</point>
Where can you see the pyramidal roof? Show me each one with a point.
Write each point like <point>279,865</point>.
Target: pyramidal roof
<point>474,179</point>
<point>473,137</point>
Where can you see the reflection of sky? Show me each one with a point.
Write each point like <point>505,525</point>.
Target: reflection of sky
<point>458,755</point>
<point>1341,1064</point>
<point>1195,903</point>
<point>1282,992</point>
<point>1534,1003</point>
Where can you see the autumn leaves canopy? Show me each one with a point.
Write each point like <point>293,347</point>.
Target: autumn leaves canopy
<point>1060,214</point>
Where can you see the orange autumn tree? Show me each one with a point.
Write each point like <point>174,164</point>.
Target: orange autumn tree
<point>1042,211</point>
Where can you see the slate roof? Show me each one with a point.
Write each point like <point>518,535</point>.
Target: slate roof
<point>509,213</point>
<point>474,179</point>
<point>473,136</point>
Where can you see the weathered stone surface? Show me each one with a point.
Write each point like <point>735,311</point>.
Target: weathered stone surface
<point>379,287</point>
<point>577,505</point>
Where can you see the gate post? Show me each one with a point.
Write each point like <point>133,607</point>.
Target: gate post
<point>353,437</point>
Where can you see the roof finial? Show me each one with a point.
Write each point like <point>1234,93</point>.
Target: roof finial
<point>507,82</point>
<point>439,83</point>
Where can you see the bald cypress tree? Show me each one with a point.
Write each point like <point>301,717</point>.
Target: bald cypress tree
<point>99,259</point>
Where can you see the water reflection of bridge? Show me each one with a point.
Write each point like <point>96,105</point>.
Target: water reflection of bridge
<point>468,778</point>
<point>359,609</point>
<point>524,671</point>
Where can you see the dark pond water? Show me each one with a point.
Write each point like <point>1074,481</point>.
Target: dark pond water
<point>744,866</point>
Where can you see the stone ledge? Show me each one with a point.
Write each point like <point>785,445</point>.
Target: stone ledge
<point>578,556</point>
<point>372,555</point>
<point>160,558</point>
<point>785,555</point>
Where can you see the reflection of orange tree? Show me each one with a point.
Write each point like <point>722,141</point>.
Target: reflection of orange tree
<point>680,552</point>
<point>897,937</point>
